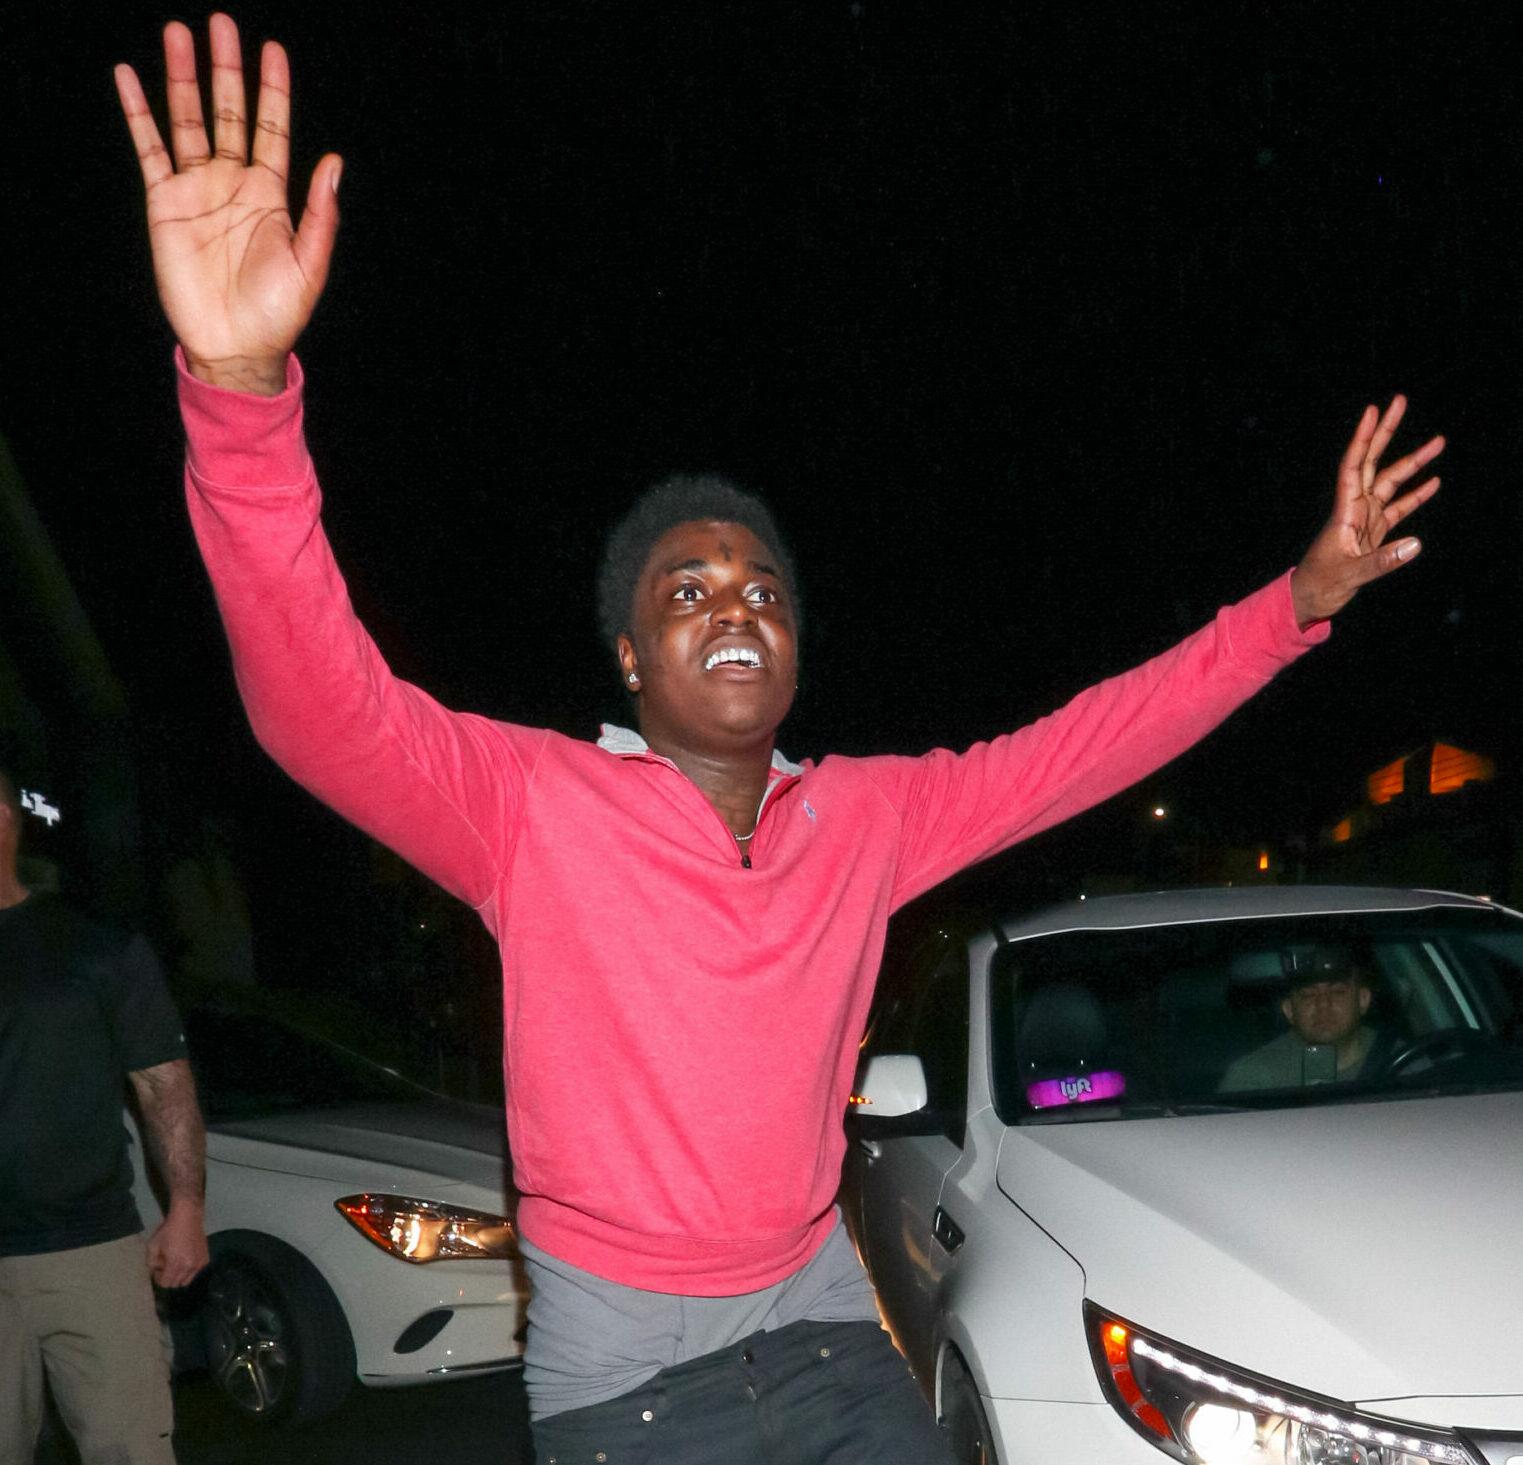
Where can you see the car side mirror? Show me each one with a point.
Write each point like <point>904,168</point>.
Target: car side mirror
<point>891,1099</point>
<point>894,1084</point>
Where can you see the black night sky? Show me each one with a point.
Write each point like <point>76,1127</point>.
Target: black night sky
<point>1042,326</point>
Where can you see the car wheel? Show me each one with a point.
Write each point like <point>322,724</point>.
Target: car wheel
<point>962,1415</point>
<point>277,1344</point>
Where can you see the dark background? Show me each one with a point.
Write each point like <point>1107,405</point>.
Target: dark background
<point>1043,327</point>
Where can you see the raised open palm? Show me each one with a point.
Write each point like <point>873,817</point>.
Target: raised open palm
<point>1353,548</point>
<point>237,281</point>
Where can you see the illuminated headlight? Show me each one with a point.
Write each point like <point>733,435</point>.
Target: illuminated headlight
<point>423,1231</point>
<point>1205,1412</point>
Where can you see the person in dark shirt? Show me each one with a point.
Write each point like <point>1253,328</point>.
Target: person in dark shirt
<point>1327,997</point>
<point>80,1008</point>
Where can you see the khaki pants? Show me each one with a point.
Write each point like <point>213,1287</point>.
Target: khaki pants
<point>86,1318</point>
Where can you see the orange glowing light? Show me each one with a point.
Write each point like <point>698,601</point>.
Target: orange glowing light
<point>1343,831</point>
<point>1453,768</point>
<point>1263,860</point>
<point>1115,1337</point>
<point>1387,783</point>
<point>1128,1387</point>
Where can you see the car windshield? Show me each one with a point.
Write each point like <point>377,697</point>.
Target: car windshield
<point>248,1066</point>
<point>1273,1013</point>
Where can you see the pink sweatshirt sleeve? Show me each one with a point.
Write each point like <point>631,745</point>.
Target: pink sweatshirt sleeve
<point>440,788</point>
<point>957,809</point>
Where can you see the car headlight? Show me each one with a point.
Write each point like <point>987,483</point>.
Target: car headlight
<point>1205,1412</point>
<point>424,1231</point>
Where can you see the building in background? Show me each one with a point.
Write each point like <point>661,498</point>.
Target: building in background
<point>1440,817</point>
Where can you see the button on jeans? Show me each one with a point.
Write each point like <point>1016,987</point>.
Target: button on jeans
<point>807,1394</point>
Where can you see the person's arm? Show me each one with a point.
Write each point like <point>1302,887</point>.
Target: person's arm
<point>236,280</point>
<point>147,1036</point>
<point>176,1139</point>
<point>955,810</point>
<point>238,285</point>
<point>441,788</point>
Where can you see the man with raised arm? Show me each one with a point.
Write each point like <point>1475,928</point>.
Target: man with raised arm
<point>690,924</point>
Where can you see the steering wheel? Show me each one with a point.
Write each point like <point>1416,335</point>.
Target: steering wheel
<point>1441,1046</point>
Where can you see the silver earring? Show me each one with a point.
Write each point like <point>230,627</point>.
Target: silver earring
<point>633,679</point>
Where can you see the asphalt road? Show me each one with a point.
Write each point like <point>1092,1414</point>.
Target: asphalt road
<point>483,1421</point>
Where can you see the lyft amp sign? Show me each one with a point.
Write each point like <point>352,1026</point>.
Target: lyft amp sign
<point>1081,1088</point>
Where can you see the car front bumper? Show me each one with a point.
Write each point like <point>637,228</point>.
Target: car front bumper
<point>413,1323</point>
<point>1038,1432</point>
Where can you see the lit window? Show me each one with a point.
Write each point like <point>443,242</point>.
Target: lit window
<point>1388,783</point>
<point>1453,768</point>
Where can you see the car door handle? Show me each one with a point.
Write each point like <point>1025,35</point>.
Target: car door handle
<point>947,1231</point>
<point>871,1148</point>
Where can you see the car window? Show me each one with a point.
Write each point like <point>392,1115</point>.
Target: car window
<point>247,1066</point>
<point>1261,1013</point>
<point>893,1018</point>
<point>1495,967</point>
<point>938,1033</point>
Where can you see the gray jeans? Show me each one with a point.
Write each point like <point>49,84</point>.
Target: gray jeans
<point>591,1339</point>
<point>807,1394</point>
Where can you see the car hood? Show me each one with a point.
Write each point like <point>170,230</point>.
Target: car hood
<point>458,1143</point>
<point>1367,1251</point>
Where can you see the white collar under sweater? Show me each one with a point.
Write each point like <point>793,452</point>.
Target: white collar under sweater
<point>625,742</point>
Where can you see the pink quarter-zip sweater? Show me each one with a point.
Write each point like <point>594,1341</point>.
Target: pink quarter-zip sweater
<point>679,1030</point>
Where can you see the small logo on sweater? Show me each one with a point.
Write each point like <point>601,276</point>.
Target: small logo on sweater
<point>809,809</point>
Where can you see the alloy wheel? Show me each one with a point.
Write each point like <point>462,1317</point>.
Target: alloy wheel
<point>246,1341</point>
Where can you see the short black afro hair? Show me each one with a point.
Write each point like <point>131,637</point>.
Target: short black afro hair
<point>681,499</point>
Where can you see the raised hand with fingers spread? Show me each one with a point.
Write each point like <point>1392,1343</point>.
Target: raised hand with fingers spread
<point>237,280</point>
<point>1351,549</point>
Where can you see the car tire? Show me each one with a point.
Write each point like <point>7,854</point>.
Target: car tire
<point>962,1415</point>
<point>277,1343</point>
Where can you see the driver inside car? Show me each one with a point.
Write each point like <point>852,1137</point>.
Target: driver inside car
<point>1326,1002</point>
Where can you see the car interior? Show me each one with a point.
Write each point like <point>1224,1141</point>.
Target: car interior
<point>1164,1012</point>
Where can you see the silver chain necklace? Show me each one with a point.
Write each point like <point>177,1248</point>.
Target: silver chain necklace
<point>755,823</point>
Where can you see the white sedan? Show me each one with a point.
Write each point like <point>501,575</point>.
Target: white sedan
<point>360,1226</point>
<point>1118,1206</point>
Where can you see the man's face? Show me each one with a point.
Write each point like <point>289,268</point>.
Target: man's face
<point>713,644</point>
<point>1328,1011</point>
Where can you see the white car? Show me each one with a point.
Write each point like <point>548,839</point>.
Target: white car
<point>1097,1246</point>
<point>360,1226</point>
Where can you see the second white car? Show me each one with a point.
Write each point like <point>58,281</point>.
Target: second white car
<point>1106,1227</point>
<point>360,1226</point>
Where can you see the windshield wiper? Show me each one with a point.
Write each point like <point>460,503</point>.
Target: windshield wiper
<point>1176,1110</point>
<point>1093,1113</point>
<point>1215,1106</point>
